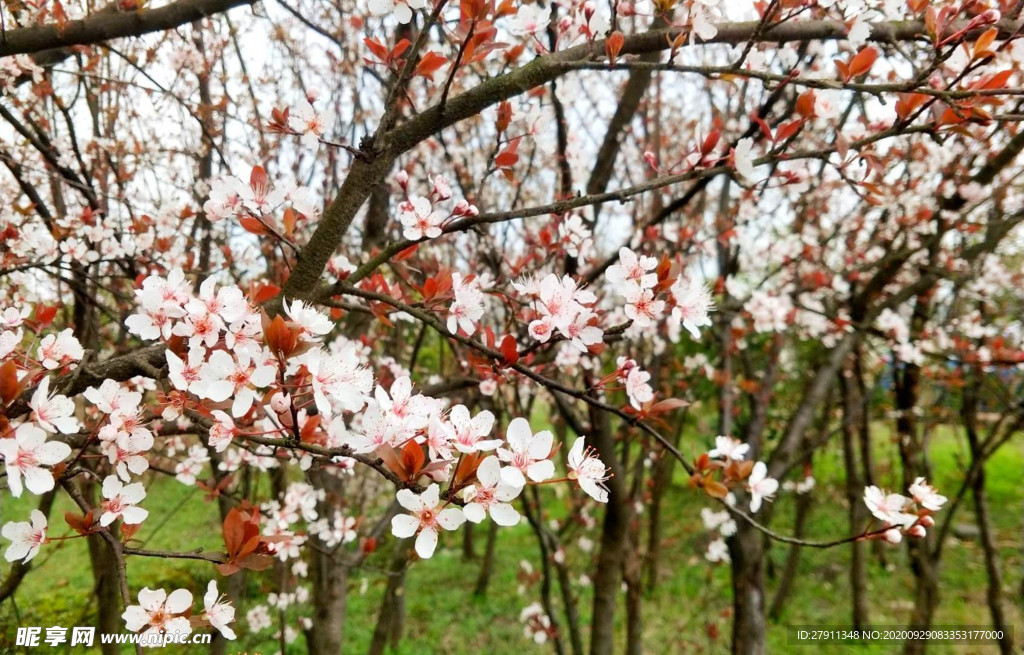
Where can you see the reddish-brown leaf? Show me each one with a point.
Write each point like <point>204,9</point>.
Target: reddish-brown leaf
<point>613,45</point>
<point>509,350</point>
<point>429,64</point>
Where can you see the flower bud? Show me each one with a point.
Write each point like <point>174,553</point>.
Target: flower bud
<point>917,531</point>
<point>927,521</point>
<point>280,403</point>
<point>893,536</point>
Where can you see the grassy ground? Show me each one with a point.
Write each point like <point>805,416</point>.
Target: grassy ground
<point>443,616</point>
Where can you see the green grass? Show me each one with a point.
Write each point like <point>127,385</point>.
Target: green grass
<point>691,602</point>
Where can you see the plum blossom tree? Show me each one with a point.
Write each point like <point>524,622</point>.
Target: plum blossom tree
<point>372,272</point>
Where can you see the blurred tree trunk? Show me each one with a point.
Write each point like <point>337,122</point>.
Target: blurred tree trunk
<point>328,575</point>
<point>785,586</point>
<point>468,550</point>
<point>487,565</point>
<point>855,506</point>
<point>104,575</point>
<point>664,465</point>
<point>614,538</point>
<point>994,593</point>
<point>913,458</point>
<point>746,552</point>
<point>391,618</point>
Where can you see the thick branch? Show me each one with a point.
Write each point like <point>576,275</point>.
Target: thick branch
<point>111,24</point>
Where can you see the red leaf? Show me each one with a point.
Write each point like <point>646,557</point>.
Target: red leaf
<point>613,45</point>
<point>377,48</point>
<point>407,253</point>
<point>429,64</point>
<point>506,159</point>
<point>10,387</point>
<point>859,65</point>
<point>509,350</point>
<point>253,225</point>
<point>399,49</point>
<point>45,314</point>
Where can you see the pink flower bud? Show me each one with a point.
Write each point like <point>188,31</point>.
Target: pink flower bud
<point>893,536</point>
<point>625,9</point>
<point>917,532</point>
<point>280,403</point>
<point>651,160</point>
<point>402,178</point>
<point>927,521</point>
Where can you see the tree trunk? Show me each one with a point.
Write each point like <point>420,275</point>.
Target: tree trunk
<point>855,508</point>
<point>391,618</point>
<point>104,574</point>
<point>487,566</point>
<point>748,626</point>
<point>608,576</point>
<point>328,577</point>
<point>994,593</point>
<point>468,551</point>
<point>803,507</point>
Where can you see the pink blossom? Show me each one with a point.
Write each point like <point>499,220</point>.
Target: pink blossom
<point>420,220</point>
<point>26,538</point>
<point>588,470</point>
<point>491,496</point>
<point>692,304</point>
<point>467,433</point>
<point>25,454</point>
<point>633,270</point>
<point>312,125</point>
<point>926,496</point>
<point>121,501</point>
<point>53,413</point>
<point>162,613</point>
<point>426,519</point>
<point>527,453</point>
<point>222,431</point>
<point>642,307</point>
<point>218,611</point>
<point>57,350</point>
<point>761,486</point>
<point>729,448</point>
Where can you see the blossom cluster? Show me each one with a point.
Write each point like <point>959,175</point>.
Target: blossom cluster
<point>562,307</point>
<point>902,515</point>
<point>487,485</point>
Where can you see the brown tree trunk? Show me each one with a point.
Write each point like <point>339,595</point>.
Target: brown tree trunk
<point>106,585</point>
<point>855,508</point>
<point>468,550</point>
<point>328,577</point>
<point>391,618</point>
<point>662,477</point>
<point>994,592</point>
<point>785,586</point>
<point>912,454</point>
<point>747,554</point>
<point>487,566</point>
<point>608,575</point>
